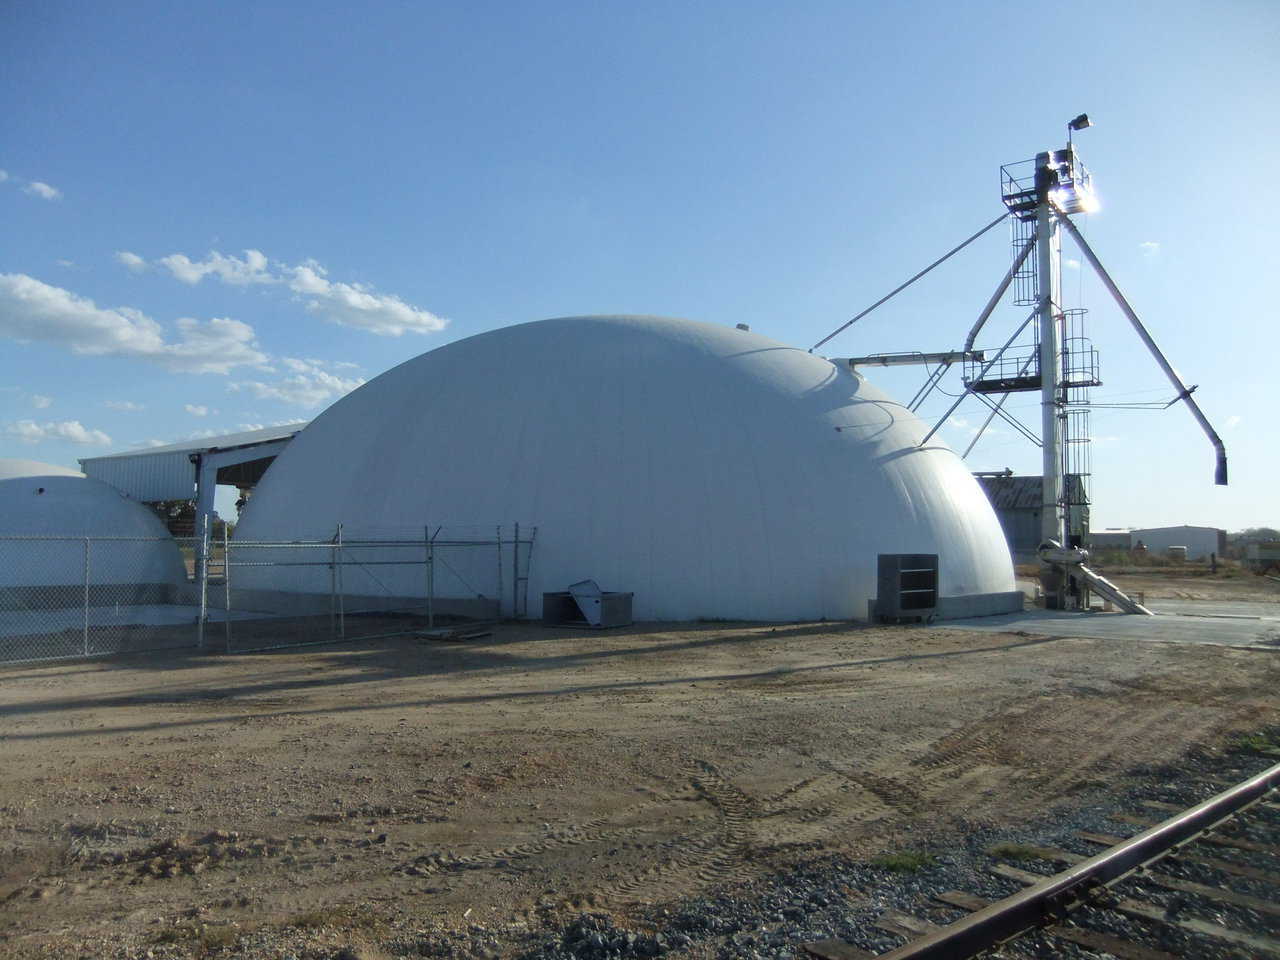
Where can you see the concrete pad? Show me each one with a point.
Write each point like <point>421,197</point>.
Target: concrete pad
<point>1256,609</point>
<point>1222,629</point>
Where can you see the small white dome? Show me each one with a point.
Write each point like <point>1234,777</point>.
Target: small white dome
<point>39,500</point>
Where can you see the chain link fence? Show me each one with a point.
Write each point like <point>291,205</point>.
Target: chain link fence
<point>92,596</point>
<point>96,596</point>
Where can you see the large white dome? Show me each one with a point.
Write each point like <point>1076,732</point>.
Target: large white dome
<point>714,472</point>
<point>54,509</point>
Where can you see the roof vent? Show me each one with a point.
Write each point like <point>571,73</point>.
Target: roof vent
<point>744,326</point>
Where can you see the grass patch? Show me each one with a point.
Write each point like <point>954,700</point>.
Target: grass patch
<point>905,861</point>
<point>205,937</point>
<point>216,938</point>
<point>315,919</point>
<point>1257,742</point>
<point>340,918</point>
<point>1013,851</point>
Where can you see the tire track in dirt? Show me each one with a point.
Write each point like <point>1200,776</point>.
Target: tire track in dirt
<point>713,858</point>
<point>595,831</point>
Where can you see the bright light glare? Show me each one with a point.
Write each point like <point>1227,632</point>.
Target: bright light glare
<point>1072,199</point>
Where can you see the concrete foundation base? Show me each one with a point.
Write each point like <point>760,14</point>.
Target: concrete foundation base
<point>979,605</point>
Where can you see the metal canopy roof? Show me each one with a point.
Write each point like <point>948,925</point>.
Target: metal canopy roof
<point>169,472</point>
<point>208,444</point>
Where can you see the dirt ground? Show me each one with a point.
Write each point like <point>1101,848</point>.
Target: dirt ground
<point>1194,582</point>
<point>172,802</point>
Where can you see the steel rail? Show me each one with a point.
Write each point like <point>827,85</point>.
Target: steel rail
<point>897,290</point>
<point>1046,902</point>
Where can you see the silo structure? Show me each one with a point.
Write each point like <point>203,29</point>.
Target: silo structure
<point>711,471</point>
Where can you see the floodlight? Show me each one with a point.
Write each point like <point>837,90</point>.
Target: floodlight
<point>1080,122</point>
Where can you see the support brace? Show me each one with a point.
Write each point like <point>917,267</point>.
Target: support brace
<point>1184,392</point>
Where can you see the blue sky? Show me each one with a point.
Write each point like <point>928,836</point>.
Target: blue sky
<point>412,174</point>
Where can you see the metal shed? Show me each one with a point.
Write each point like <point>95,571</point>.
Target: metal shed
<point>1017,501</point>
<point>193,469</point>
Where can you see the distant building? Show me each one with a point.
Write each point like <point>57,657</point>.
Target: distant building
<point>1110,539</point>
<point>1199,541</point>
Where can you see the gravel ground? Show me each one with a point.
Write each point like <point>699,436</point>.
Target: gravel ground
<point>839,899</point>
<point>828,898</point>
<point>698,790</point>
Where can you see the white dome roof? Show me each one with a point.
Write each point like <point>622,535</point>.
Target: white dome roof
<point>712,471</point>
<point>45,501</point>
<point>14,469</point>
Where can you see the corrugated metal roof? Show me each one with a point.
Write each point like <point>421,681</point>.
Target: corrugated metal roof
<point>1013,493</point>
<point>205,444</point>
<point>1020,492</point>
<point>166,472</point>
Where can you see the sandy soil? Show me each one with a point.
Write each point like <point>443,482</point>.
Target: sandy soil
<point>536,771</point>
<point>1197,584</point>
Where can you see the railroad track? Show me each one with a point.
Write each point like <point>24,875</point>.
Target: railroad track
<point>1204,880</point>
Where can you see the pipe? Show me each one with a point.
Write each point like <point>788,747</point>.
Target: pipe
<point>1220,473</point>
<point>899,289</point>
<point>995,297</point>
<point>910,358</point>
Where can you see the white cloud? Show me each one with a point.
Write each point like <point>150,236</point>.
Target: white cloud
<point>348,304</point>
<point>1234,421</point>
<point>4,175</point>
<point>252,269</point>
<point>309,386</point>
<point>40,401</point>
<point>274,423</point>
<point>1072,263</point>
<point>131,260</point>
<point>39,189</point>
<point>66,263</point>
<point>197,409</point>
<point>28,431</point>
<point>32,310</point>
<point>126,405</point>
<point>353,305</point>
<point>1150,248</point>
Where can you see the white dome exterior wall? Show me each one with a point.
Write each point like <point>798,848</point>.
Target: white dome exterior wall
<point>41,500</point>
<point>712,471</point>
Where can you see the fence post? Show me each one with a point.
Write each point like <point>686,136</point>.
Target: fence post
<point>515,573</point>
<point>202,573</point>
<point>431,580</point>
<point>497,596</point>
<point>86,596</point>
<point>342,606</point>
<point>226,584</point>
<point>333,585</point>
